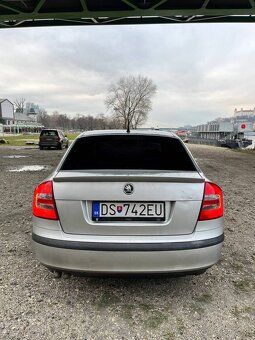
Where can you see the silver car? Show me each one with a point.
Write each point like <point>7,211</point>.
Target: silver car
<point>131,203</point>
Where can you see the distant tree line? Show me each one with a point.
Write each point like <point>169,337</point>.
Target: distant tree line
<point>78,122</point>
<point>129,101</point>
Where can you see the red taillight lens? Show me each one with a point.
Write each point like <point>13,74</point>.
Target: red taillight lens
<point>212,205</point>
<point>44,204</point>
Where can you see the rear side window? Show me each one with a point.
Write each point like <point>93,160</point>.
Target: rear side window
<point>49,133</point>
<point>128,152</point>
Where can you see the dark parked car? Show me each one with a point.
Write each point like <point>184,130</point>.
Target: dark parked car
<point>123,202</point>
<point>53,138</point>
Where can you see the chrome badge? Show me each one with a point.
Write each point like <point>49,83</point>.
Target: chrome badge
<point>128,189</point>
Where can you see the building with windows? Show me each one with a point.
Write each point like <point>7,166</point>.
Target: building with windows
<point>6,111</point>
<point>223,130</point>
<point>215,130</point>
<point>244,113</point>
<point>16,122</point>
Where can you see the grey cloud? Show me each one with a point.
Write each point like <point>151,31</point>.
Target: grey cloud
<point>202,71</point>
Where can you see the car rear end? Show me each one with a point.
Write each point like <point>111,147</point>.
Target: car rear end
<point>49,138</point>
<point>128,203</point>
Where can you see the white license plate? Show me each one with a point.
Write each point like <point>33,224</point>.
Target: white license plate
<point>128,211</point>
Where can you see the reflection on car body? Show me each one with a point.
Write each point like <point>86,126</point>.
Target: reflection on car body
<point>131,203</point>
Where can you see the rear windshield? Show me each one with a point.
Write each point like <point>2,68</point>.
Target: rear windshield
<point>49,133</point>
<point>128,152</point>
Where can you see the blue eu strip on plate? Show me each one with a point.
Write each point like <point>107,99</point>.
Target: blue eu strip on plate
<point>95,209</point>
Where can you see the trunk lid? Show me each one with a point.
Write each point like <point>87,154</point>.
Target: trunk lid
<point>180,191</point>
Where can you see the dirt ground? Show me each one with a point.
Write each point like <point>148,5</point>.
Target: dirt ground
<point>219,304</point>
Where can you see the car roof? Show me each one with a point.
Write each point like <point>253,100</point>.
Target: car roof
<point>58,130</point>
<point>132,132</point>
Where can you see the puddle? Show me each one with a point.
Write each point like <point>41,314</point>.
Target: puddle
<point>15,156</point>
<point>29,168</point>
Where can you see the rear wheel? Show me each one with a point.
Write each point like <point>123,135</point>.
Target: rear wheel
<point>40,147</point>
<point>67,145</point>
<point>60,146</point>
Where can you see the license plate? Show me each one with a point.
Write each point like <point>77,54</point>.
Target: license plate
<point>128,211</point>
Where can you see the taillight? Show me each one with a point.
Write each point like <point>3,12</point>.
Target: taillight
<point>44,203</point>
<point>212,204</point>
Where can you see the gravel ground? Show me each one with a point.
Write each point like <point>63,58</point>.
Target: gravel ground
<point>219,304</point>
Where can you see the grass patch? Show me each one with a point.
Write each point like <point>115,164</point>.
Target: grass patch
<point>196,308</point>
<point>180,325</point>
<point>107,299</point>
<point>146,307</point>
<point>245,285</point>
<point>248,310</point>
<point>72,136</point>
<point>169,336</point>
<point>20,140</point>
<point>237,312</point>
<point>20,137</point>
<point>204,298</point>
<point>155,319</point>
<point>148,315</point>
<point>127,312</point>
<point>237,265</point>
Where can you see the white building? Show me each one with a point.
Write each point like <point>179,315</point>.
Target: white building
<point>16,122</point>
<point>242,113</point>
<point>6,112</point>
<point>215,130</point>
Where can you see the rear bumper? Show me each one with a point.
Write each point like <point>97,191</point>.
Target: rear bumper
<point>102,257</point>
<point>49,144</point>
<point>128,247</point>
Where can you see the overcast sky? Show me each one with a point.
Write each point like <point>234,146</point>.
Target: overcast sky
<point>202,71</point>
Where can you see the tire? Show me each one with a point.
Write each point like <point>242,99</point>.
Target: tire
<point>40,147</point>
<point>67,145</point>
<point>60,147</point>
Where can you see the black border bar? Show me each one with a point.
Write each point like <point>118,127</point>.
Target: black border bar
<point>103,246</point>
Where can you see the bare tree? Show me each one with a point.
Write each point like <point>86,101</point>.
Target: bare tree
<point>80,122</point>
<point>130,100</point>
<point>43,118</point>
<point>19,104</point>
<point>54,119</point>
<point>63,121</point>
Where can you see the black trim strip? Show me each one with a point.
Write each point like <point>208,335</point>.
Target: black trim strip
<point>123,178</point>
<point>101,246</point>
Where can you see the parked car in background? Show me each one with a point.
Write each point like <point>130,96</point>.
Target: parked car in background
<point>53,138</point>
<point>123,202</point>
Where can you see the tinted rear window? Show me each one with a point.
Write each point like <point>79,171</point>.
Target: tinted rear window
<point>49,133</point>
<point>128,152</point>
